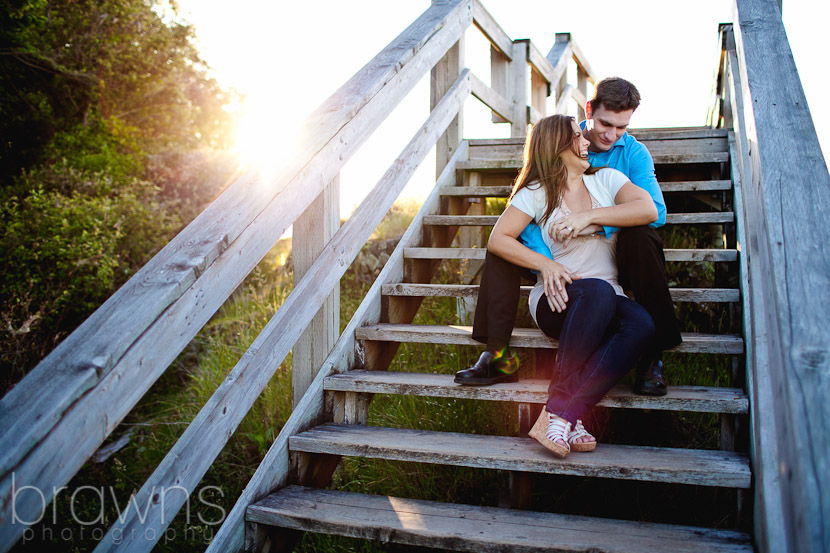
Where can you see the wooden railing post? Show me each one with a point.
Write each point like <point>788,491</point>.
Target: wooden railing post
<point>562,40</point>
<point>539,92</point>
<point>582,87</point>
<point>444,74</point>
<point>312,231</point>
<point>499,77</point>
<point>518,89</point>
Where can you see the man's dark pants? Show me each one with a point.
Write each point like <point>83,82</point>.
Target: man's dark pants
<point>642,269</point>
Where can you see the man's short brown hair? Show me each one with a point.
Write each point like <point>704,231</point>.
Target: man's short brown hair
<point>615,94</point>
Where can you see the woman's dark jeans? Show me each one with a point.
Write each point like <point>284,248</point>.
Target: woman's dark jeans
<point>601,335</point>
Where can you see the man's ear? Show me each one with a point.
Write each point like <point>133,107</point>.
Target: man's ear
<point>588,110</point>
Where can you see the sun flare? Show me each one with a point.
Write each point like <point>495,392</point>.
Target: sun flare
<point>266,136</point>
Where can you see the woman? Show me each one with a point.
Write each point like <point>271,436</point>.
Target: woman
<point>577,298</point>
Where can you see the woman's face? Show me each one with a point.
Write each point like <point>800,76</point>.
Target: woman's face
<point>577,157</point>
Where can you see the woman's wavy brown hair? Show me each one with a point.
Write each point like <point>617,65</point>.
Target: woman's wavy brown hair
<point>543,163</point>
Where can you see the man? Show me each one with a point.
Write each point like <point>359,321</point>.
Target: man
<point>640,257</point>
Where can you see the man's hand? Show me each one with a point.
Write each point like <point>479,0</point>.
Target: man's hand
<point>555,276</point>
<point>592,229</point>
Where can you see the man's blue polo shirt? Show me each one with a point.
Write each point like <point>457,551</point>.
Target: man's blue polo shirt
<point>628,156</point>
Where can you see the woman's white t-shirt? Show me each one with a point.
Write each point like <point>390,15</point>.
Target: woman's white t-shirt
<point>592,256</point>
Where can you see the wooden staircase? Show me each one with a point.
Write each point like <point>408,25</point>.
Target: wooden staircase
<point>693,168</point>
<point>746,178</point>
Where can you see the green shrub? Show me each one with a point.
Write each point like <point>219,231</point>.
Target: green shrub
<point>98,148</point>
<point>70,237</point>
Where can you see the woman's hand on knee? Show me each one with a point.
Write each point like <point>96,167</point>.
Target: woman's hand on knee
<point>555,277</point>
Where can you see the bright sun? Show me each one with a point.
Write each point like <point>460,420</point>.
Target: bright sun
<point>266,136</point>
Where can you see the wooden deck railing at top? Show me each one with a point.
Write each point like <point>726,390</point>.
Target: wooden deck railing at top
<point>507,95</point>
<point>60,413</point>
<point>785,195</point>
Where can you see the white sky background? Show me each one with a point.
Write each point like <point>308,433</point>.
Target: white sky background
<point>288,57</point>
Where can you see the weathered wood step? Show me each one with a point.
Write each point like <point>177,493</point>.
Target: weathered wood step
<point>671,219</point>
<point>658,133</point>
<point>478,529</point>
<point>696,399</point>
<point>651,464</point>
<point>526,338</point>
<point>659,159</point>
<point>672,254</point>
<point>504,191</point>
<point>665,148</point>
<point>696,186</point>
<point>641,134</point>
<point>698,295</point>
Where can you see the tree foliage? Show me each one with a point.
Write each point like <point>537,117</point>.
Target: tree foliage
<point>65,63</point>
<point>106,112</point>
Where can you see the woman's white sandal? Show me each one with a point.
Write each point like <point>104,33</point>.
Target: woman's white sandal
<point>578,432</point>
<point>548,429</point>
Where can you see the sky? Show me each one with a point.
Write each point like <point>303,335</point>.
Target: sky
<point>288,57</point>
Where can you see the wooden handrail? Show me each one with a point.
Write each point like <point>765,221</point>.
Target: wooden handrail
<point>213,254</point>
<point>492,30</point>
<point>785,190</point>
<point>564,97</point>
<point>541,64</point>
<point>579,57</point>
<point>490,98</point>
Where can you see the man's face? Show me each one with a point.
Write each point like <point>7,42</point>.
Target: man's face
<point>605,127</point>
